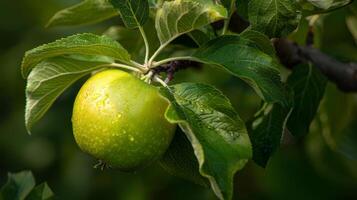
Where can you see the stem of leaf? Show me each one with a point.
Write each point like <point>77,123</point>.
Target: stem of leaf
<point>135,64</point>
<point>161,62</point>
<point>159,80</point>
<point>157,52</point>
<point>225,26</point>
<point>147,48</point>
<point>124,67</point>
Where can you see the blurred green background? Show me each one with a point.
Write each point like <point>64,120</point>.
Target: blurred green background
<point>320,166</point>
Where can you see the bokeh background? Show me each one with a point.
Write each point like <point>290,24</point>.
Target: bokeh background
<point>321,165</point>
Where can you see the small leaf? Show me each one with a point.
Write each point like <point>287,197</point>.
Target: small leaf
<point>18,186</point>
<point>48,80</point>
<point>83,44</point>
<point>309,86</point>
<point>41,192</point>
<point>275,18</point>
<point>134,13</point>
<point>86,12</point>
<point>243,59</point>
<point>179,160</point>
<point>266,131</point>
<point>217,134</point>
<point>182,16</point>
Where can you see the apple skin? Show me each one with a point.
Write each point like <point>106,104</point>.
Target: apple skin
<point>120,120</point>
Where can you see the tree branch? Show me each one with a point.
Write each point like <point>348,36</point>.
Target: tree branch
<point>344,75</point>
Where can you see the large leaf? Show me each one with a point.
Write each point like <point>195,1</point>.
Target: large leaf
<point>134,13</point>
<point>84,44</point>
<point>309,86</point>
<point>274,18</point>
<point>41,192</point>
<point>266,131</point>
<point>48,80</point>
<point>86,12</point>
<point>18,186</point>
<point>217,134</point>
<point>243,59</point>
<point>181,16</point>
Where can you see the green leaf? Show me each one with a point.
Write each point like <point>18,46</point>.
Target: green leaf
<point>308,84</point>
<point>18,186</point>
<point>327,4</point>
<point>202,35</point>
<point>311,7</point>
<point>262,41</point>
<point>86,12</point>
<point>266,131</point>
<point>83,44</point>
<point>48,80</point>
<point>182,16</point>
<point>217,134</point>
<point>134,13</point>
<point>275,18</point>
<point>41,192</point>
<point>179,160</point>
<point>243,59</point>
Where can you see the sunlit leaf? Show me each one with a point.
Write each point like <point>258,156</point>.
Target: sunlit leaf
<point>84,44</point>
<point>217,134</point>
<point>48,80</point>
<point>182,16</point>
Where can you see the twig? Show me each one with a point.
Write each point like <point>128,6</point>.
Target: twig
<point>344,75</point>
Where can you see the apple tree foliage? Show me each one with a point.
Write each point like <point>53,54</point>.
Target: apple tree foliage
<point>214,142</point>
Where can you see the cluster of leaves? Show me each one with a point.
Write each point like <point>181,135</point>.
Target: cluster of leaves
<point>217,143</point>
<point>22,186</point>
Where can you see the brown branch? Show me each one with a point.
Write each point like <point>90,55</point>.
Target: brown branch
<point>344,75</point>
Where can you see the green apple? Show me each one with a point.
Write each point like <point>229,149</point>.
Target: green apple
<point>120,120</point>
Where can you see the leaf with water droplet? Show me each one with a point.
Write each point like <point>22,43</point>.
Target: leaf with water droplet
<point>215,130</point>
